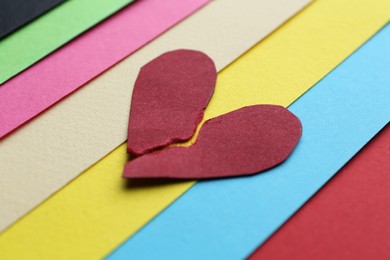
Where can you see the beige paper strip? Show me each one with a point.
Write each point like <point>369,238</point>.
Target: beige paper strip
<point>56,147</point>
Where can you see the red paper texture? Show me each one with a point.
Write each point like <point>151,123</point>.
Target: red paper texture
<point>243,142</point>
<point>349,218</point>
<point>169,98</point>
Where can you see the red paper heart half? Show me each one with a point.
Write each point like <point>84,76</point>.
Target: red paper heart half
<point>243,142</point>
<point>169,98</point>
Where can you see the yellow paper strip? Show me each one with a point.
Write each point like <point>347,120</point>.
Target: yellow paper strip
<point>99,210</point>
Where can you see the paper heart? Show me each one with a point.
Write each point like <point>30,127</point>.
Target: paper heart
<point>243,142</point>
<point>169,98</point>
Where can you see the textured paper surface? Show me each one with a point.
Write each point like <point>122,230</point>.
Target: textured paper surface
<point>86,217</point>
<point>346,219</point>
<point>333,112</point>
<point>169,98</point>
<point>53,78</point>
<point>246,141</point>
<point>93,121</point>
<point>52,30</point>
<point>16,13</point>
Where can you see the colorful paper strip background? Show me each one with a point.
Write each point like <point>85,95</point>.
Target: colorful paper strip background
<point>96,197</point>
<point>227,219</point>
<point>347,144</point>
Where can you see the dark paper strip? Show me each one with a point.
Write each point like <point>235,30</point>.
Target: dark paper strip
<point>16,13</point>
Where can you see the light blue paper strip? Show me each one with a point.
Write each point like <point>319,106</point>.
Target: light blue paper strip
<point>229,218</point>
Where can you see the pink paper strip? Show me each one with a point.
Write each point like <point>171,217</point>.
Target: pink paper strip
<point>58,75</point>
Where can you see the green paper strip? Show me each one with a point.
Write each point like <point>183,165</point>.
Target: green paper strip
<point>49,32</point>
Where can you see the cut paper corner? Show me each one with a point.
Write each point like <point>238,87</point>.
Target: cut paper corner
<point>169,98</point>
<point>17,13</point>
<point>243,142</point>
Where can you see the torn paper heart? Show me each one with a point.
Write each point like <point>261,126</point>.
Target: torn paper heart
<point>243,142</point>
<point>169,98</point>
